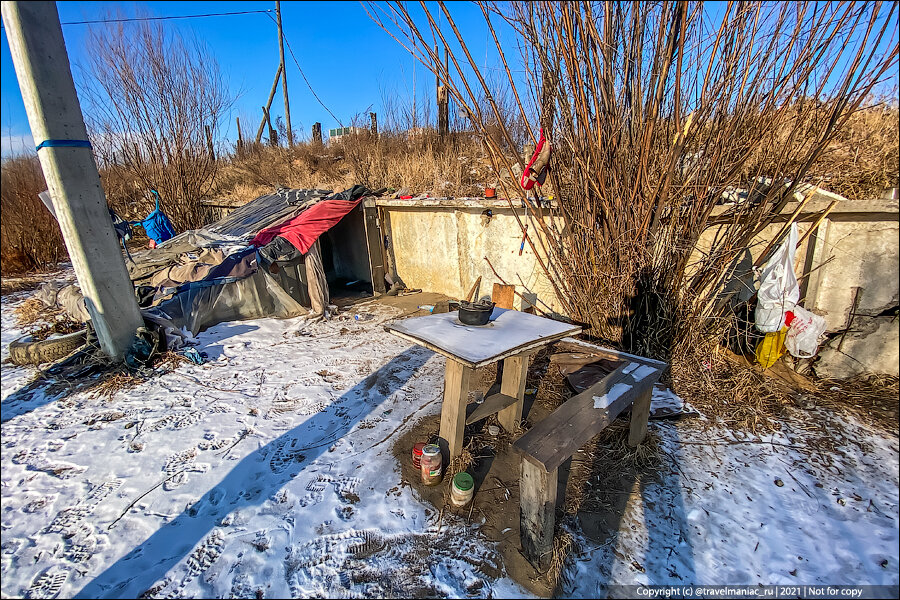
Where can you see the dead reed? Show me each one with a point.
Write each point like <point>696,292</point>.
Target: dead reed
<point>30,312</point>
<point>113,382</point>
<point>30,239</point>
<point>872,399</point>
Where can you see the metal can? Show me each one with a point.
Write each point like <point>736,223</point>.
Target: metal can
<point>431,467</point>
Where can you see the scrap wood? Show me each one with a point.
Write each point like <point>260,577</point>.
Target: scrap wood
<point>503,281</point>
<point>472,290</point>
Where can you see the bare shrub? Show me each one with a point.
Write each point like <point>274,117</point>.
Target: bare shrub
<point>152,96</point>
<point>658,111</point>
<point>30,238</point>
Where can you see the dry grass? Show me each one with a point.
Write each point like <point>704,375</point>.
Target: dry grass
<point>563,547</point>
<point>461,463</point>
<point>599,467</point>
<point>862,159</point>
<point>61,327</point>
<point>31,311</point>
<point>30,238</point>
<point>423,163</point>
<point>729,390</point>
<point>12,285</point>
<point>115,381</point>
<point>872,399</point>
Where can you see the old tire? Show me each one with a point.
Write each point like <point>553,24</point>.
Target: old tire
<point>25,351</point>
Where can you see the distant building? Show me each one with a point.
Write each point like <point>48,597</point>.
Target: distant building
<point>341,132</point>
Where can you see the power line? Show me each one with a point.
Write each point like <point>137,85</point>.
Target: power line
<point>303,75</point>
<point>225,14</point>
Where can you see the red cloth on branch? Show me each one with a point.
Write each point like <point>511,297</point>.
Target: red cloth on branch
<point>303,230</point>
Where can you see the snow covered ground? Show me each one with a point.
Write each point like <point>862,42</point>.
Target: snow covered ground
<point>269,472</point>
<point>754,511</point>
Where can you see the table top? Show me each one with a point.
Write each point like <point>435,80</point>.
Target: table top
<point>509,332</point>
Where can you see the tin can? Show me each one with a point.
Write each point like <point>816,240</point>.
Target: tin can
<point>417,456</point>
<point>431,468</point>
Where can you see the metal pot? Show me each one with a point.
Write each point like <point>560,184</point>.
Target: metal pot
<point>475,313</point>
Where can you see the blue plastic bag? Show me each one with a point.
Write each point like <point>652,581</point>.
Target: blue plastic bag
<point>157,224</point>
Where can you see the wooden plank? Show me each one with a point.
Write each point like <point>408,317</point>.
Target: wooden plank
<point>491,404</point>
<point>375,245</point>
<point>640,413</point>
<point>570,426</point>
<point>613,354</point>
<point>453,410</point>
<point>503,295</point>
<point>515,369</point>
<point>472,289</point>
<point>537,512</point>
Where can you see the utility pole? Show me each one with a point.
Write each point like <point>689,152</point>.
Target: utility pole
<point>443,99</point>
<point>317,133</point>
<point>284,88</point>
<point>240,140</point>
<point>57,125</point>
<point>262,124</point>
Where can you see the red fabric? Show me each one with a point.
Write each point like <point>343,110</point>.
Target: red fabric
<point>303,230</point>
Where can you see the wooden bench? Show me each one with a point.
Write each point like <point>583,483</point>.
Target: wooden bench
<point>552,441</point>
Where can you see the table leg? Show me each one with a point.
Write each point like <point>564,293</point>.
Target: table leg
<point>453,411</point>
<point>515,368</point>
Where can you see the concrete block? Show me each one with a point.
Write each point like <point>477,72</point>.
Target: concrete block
<point>871,347</point>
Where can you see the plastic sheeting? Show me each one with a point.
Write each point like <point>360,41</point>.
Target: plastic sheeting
<point>147,262</point>
<point>255,216</point>
<point>198,307</point>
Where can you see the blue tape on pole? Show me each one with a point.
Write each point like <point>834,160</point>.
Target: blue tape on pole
<point>63,144</point>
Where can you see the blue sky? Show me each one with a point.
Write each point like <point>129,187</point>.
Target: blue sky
<point>350,61</point>
<point>352,64</point>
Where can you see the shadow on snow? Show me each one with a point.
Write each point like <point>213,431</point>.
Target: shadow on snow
<point>251,482</point>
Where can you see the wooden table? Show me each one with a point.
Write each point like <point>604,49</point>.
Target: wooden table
<point>510,336</point>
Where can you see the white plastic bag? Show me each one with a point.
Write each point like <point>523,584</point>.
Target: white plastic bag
<point>778,288</point>
<point>803,334</point>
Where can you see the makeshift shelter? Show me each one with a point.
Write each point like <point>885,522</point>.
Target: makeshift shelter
<point>282,255</point>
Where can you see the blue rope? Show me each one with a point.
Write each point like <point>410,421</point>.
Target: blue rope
<point>63,144</point>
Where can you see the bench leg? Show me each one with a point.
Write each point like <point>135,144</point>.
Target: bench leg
<point>537,512</point>
<point>453,411</point>
<point>515,368</point>
<point>640,413</point>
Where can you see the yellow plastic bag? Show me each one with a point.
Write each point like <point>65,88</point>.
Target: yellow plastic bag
<point>770,349</point>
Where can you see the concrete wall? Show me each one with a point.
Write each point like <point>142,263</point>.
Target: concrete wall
<point>439,245</point>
